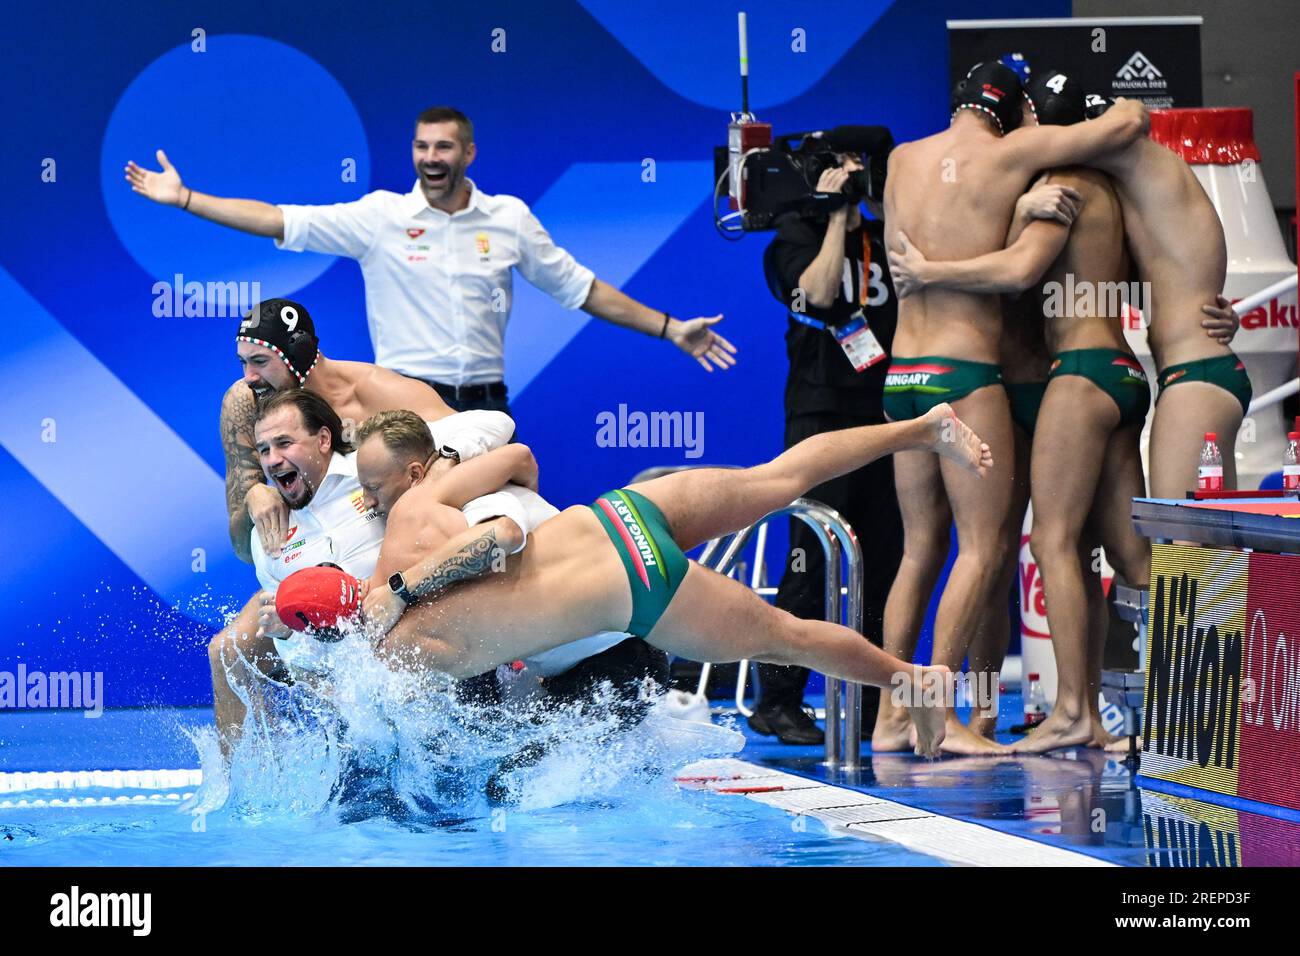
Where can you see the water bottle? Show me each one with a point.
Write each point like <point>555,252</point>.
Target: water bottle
<point>1291,463</point>
<point>1035,702</point>
<point>1209,476</point>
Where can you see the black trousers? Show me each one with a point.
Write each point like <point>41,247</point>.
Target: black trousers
<point>867,500</point>
<point>497,401</point>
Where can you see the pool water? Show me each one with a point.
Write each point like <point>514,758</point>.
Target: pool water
<point>606,804</point>
<point>642,820</point>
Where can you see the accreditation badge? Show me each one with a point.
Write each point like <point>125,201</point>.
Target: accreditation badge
<point>859,343</point>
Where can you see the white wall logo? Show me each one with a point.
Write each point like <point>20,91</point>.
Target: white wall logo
<point>1138,74</point>
<point>103,909</point>
<point>1139,67</point>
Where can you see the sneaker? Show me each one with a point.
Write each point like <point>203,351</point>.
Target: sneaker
<point>790,724</point>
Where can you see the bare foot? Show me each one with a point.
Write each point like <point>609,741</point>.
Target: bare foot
<point>960,739</point>
<point>1104,740</point>
<point>929,717</point>
<point>1057,731</point>
<point>1119,745</point>
<point>928,730</point>
<point>985,725</point>
<point>950,437</point>
<point>893,729</point>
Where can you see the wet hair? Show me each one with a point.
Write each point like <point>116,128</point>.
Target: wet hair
<point>315,411</point>
<point>403,433</point>
<point>992,89</point>
<point>448,114</point>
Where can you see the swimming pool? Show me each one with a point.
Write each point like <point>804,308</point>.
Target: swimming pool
<point>1076,808</point>
<point>639,822</point>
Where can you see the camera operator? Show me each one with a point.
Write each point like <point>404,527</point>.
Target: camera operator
<point>833,276</point>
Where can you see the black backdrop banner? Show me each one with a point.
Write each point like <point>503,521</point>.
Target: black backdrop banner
<point>1153,59</point>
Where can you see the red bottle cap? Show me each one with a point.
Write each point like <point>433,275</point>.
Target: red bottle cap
<point>1210,436</point>
<point>1293,436</point>
<point>1033,677</point>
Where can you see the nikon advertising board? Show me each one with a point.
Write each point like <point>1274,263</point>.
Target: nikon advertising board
<point>1223,673</point>
<point>1269,768</point>
<point>1181,832</point>
<point>1153,59</point>
<point>1194,653</point>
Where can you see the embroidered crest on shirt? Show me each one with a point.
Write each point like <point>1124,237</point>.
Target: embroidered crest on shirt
<point>482,244</point>
<point>415,233</point>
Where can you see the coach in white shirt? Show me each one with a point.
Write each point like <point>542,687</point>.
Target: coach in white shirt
<point>437,264</point>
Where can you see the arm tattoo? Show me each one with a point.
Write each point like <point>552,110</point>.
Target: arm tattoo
<point>471,561</point>
<point>243,470</point>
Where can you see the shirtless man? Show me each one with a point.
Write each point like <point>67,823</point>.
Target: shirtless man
<point>1086,460</point>
<point>1023,359</point>
<point>954,193</point>
<point>392,450</point>
<point>619,565</point>
<point>1085,454</point>
<point>278,349</point>
<point>1176,238</point>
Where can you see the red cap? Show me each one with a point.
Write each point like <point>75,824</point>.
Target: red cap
<point>1293,436</point>
<point>1033,676</point>
<point>1218,137</point>
<point>317,598</point>
<point>1211,436</point>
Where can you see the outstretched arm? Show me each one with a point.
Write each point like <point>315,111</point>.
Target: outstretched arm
<point>165,188</point>
<point>1008,270</point>
<point>695,337</point>
<point>1045,147</point>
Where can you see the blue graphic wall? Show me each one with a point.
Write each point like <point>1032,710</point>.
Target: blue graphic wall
<point>116,557</point>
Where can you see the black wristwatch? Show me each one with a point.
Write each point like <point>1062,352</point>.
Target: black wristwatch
<point>448,452</point>
<point>397,584</point>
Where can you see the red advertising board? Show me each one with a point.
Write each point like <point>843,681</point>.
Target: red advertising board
<point>1269,764</point>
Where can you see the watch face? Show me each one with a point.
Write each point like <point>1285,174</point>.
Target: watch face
<point>395,583</point>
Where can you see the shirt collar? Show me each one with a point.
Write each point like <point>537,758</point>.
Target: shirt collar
<point>345,465</point>
<point>341,468</point>
<point>416,203</point>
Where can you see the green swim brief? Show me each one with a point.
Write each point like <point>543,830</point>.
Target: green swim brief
<point>913,386</point>
<point>1115,372</point>
<point>1025,398</point>
<point>1228,372</point>
<point>655,565</point>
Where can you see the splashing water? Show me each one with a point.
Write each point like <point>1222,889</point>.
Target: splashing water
<point>365,741</point>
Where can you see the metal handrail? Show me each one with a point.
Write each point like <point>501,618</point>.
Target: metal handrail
<point>836,537</point>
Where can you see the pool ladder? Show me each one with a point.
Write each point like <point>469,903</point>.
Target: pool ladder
<point>843,698</point>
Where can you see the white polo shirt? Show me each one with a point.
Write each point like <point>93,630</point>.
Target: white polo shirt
<point>336,526</point>
<point>439,286</point>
